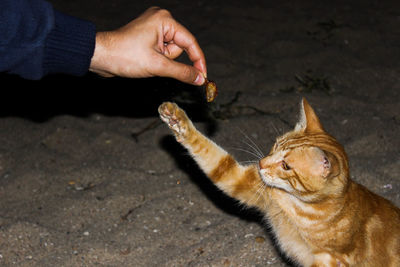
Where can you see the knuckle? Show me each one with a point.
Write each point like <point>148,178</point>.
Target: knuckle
<point>187,73</point>
<point>164,12</point>
<point>160,12</point>
<point>159,66</point>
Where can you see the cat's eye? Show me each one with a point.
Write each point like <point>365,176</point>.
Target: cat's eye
<point>285,166</point>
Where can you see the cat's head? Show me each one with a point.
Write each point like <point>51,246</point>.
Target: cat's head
<point>306,162</point>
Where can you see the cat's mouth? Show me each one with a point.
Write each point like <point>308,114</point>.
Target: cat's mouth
<point>274,182</point>
<point>267,179</point>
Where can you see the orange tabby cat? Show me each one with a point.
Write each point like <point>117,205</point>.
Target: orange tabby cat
<point>319,216</point>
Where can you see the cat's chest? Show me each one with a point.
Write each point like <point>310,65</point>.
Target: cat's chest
<point>318,225</point>
<point>301,214</point>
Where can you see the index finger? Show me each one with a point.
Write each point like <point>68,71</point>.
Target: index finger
<point>184,39</point>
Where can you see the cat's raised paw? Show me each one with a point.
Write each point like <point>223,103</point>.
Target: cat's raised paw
<point>175,118</point>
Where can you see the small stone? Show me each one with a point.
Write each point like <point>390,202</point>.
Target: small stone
<point>248,235</point>
<point>260,239</point>
<point>388,186</point>
<point>227,262</point>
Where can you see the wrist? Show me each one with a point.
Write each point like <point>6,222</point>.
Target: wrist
<point>99,63</point>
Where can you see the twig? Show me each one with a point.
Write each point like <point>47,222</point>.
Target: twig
<point>152,125</point>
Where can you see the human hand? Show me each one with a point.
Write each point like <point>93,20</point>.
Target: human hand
<point>146,47</point>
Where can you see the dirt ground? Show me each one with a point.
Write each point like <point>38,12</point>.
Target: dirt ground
<point>90,177</point>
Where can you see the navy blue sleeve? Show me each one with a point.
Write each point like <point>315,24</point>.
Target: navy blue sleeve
<point>36,40</point>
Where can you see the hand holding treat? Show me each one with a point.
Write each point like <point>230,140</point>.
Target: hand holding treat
<point>147,47</point>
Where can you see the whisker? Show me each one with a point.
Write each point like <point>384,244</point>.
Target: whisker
<point>248,151</point>
<point>248,162</point>
<point>253,148</point>
<point>259,192</point>
<point>274,127</point>
<point>252,144</point>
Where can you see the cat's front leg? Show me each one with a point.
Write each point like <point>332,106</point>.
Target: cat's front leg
<point>206,153</point>
<point>240,182</point>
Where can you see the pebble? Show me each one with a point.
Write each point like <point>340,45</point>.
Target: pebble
<point>271,261</point>
<point>248,235</point>
<point>388,186</point>
<point>260,239</point>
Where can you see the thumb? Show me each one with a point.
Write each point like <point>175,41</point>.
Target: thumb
<point>182,72</point>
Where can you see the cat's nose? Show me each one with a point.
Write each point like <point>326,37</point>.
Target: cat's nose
<point>262,163</point>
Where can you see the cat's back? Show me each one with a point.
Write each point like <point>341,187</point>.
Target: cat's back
<point>379,222</point>
<point>364,231</point>
<point>373,205</point>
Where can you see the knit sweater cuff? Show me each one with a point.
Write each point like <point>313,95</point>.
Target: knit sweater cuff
<point>69,46</point>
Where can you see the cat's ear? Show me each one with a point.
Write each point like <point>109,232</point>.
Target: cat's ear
<point>334,168</point>
<point>324,164</point>
<point>309,121</point>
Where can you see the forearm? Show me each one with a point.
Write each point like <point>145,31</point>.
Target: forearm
<point>69,46</point>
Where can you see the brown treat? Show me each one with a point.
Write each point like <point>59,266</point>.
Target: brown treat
<point>211,90</point>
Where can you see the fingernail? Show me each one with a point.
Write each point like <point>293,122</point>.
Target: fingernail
<point>199,79</point>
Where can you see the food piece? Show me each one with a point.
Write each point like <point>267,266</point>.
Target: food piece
<point>211,90</point>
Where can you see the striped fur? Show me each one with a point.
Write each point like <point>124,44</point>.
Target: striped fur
<point>319,216</point>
